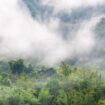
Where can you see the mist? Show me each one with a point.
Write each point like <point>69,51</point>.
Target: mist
<point>63,5</point>
<point>22,36</point>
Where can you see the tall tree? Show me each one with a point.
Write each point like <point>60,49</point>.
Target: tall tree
<point>17,66</point>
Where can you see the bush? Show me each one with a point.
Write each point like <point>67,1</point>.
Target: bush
<point>14,101</point>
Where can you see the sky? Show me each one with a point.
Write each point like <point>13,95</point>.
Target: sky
<point>49,31</point>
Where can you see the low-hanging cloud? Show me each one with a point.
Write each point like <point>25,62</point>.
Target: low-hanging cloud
<point>23,36</point>
<point>70,4</point>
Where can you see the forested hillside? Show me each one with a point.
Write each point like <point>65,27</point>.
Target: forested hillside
<point>25,84</point>
<point>52,52</point>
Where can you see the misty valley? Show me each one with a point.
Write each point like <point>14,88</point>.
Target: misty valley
<point>52,52</point>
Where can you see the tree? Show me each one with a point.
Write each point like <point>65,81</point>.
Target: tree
<point>17,67</point>
<point>101,102</point>
<point>29,68</point>
<point>53,86</point>
<point>44,97</point>
<point>14,101</point>
<point>65,69</point>
<point>62,98</point>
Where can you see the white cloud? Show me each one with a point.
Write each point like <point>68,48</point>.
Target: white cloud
<point>22,36</point>
<point>69,4</point>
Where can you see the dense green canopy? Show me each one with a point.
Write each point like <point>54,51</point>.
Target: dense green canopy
<point>25,84</point>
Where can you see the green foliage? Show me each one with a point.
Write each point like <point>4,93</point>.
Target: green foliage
<point>44,97</point>
<point>65,69</point>
<point>53,86</point>
<point>48,86</point>
<point>17,66</point>
<point>62,98</point>
<point>14,101</point>
<point>101,102</point>
<point>25,82</point>
<point>29,69</point>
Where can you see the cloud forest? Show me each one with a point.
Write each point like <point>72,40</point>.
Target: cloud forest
<point>52,52</point>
